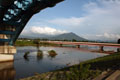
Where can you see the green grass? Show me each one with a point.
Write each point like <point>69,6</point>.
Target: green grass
<point>32,43</point>
<point>25,43</point>
<point>75,73</point>
<point>102,63</point>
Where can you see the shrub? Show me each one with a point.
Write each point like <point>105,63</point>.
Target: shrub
<point>52,53</point>
<point>39,55</point>
<point>79,73</point>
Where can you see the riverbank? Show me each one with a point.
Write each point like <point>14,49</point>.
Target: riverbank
<point>87,70</point>
<point>33,43</point>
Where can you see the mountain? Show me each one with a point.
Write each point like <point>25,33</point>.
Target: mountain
<point>34,36</point>
<point>65,36</point>
<point>68,36</point>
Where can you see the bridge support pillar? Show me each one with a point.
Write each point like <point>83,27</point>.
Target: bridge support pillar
<point>7,71</point>
<point>78,46</point>
<point>118,50</point>
<point>7,53</point>
<point>101,48</point>
<point>61,45</point>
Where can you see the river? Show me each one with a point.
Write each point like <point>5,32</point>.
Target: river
<point>22,67</point>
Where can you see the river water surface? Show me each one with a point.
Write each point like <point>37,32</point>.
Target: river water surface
<point>22,68</point>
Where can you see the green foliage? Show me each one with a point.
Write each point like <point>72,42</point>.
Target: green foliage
<point>103,63</point>
<point>36,41</point>
<point>39,55</point>
<point>33,43</point>
<point>52,53</point>
<point>81,73</point>
<point>74,40</point>
<point>24,43</point>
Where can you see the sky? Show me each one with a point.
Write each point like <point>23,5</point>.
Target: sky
<point>90,19</point>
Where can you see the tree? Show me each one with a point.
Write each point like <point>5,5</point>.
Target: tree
<point>118,41</point>
<point>74,40</point>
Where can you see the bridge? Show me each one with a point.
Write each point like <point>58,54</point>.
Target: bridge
<point>78,44</point>
<point>14,15</point>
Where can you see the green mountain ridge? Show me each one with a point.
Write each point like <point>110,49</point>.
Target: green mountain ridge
<point>68,36</point>
<point>64,36</point>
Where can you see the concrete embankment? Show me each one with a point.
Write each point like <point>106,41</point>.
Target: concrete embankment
<point>7,53</point>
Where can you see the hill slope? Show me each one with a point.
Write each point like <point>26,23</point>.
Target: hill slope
<point>65,36</point>
<point>68,36</point>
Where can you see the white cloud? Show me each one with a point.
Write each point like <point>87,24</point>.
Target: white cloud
<point>104,36</point>
<point>73,21</point>
<point>102,18</point>
<point>111,36</point>
<point>43,30</point>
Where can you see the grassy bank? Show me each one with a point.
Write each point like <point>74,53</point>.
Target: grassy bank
<point>32,43</point>
<point>84,71</point>
<point>102,63</point>
<point>25,43</point>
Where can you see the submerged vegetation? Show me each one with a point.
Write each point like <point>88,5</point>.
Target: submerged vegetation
<point>26,55</point>
<point>52,53</point>
<point>87,70</point>
<point>39,55</point>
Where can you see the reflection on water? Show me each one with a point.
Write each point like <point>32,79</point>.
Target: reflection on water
<point>26,55</point>
<point>26,58</point>
<point>44,63</point>
<point>39,62</point>
<point>52,54</point>
<point>7,71</point>
<point>39,55</point>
